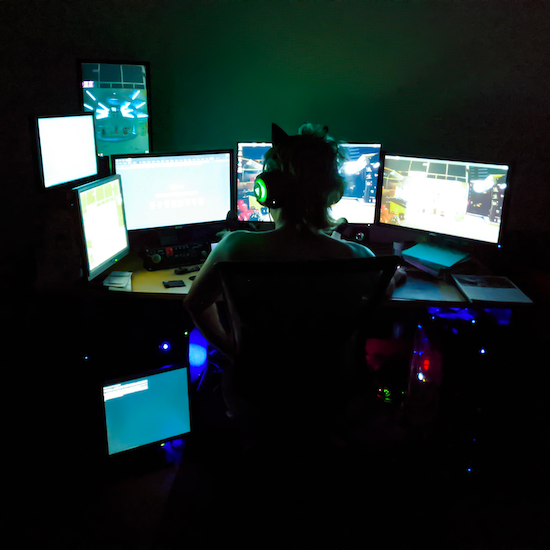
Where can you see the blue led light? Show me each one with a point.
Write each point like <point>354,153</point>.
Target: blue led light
<point>165,346</point>
<point>482,351</point>
<point>198,354</point>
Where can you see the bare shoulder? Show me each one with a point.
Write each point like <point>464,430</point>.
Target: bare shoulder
<point>237,245</point>
<point>357,250</point>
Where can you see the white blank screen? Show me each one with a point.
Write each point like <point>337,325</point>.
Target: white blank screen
<point>67,148</point>
<point>172,190</point>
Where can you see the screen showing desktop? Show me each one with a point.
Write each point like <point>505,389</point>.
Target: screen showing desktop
<point>66,148</point>
<point>171,190</point>
<point>360,170</point>
<point>147,408</point>
<point>453,198</point>
<point>103,224</point>
<point>117,94</point>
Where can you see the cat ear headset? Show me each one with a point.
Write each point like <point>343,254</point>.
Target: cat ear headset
<point>271,187</point>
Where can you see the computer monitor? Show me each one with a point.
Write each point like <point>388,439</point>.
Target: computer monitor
<point>146,408</point>
<point>445,197</point>
<point>360,171</point>
<point>104,233</point>
<point>250,163</point>
<point>66,149</point>
<point>176,189</point>
<point>118,94</point>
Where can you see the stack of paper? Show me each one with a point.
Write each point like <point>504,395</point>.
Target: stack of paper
<point>119,280</point>
<point>490,288</point>
<point>432,258</point>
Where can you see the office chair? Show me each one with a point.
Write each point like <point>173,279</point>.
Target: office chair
<point>297,329</point>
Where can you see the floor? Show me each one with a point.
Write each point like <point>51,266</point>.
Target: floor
<point>211,494</point>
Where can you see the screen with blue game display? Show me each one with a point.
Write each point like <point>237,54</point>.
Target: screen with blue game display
<point>250,163</point>
<point>359,169</point>
<point>118,96</point>
<point>146,409</point>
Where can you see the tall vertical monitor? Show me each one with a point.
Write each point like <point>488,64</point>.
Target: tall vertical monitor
<point>66,149</point>
<point>147,408</point>
<point>104,232</point>
<point>118,94</point>
<point>250,163</point>
<point>176,189</point>
<point>445,197</point>
<point>359,169</point>
<point>360,172</point>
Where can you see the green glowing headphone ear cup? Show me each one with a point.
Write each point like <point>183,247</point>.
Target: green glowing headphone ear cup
<point>260,190</point>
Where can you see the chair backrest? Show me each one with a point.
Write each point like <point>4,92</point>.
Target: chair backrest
<point>292,324</point>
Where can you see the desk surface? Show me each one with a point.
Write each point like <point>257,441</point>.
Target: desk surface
<point>419,289</point>
<point>415,290</point>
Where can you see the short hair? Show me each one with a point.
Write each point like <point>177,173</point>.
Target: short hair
<point>312,160</point>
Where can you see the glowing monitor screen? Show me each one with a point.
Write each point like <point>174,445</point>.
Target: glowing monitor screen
<point>103,224</point>
<point>458,199</point>
<point>67,151</point>
<point>360,170</point>
<point>146,409</point>
<point>250,163</point>
<point>117,94</point>
<point>169,190</point>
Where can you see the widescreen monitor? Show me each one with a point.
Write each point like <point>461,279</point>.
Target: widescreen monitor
<point>147,408</point>
<point>66,148</point>
<point>118,94</point>
<point>359,169</point>
<point>176,189</point>
<point>445,197</point>
<point>104,232</point>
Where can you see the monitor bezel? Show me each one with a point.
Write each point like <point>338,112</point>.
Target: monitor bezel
<point>232,186</point>
<point>135,376</point>
<point>40,164</point>
<point>88,273</point>
<point>146,64</point>
<point>402,233</point>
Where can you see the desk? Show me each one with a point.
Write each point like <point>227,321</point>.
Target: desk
<point>419,289</point>
<point>150,282</point>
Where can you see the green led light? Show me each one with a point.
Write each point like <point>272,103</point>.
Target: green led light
<point>260,190</point>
